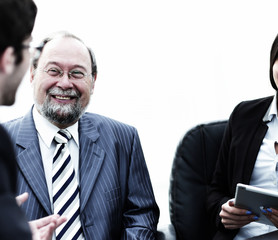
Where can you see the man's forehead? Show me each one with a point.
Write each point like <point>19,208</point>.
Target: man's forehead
<point>65,50</point>
<point>62,44</point>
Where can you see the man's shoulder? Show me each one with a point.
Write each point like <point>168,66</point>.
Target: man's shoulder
<point>12,123</point>
<point>107,128</point>
<point>104,121</point>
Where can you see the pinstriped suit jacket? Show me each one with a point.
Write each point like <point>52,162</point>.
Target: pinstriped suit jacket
<point>116,196</point>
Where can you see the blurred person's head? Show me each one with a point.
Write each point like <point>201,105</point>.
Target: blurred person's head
<point>17,18</point>
<point>63,75</point>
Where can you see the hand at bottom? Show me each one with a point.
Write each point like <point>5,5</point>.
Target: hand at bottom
<point>43,228</point>
<point>233,217</point>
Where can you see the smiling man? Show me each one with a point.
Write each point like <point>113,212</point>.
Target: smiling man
<point>63,81</point>
<point>82,165</point>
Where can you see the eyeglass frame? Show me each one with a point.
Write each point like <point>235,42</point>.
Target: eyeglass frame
<point>69,73</point>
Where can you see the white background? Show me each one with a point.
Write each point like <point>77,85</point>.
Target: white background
<point>165,65</point>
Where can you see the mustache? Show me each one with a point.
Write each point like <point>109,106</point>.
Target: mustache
<point>69,92</point>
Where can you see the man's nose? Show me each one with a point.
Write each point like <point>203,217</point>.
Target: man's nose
<point>64,81</point>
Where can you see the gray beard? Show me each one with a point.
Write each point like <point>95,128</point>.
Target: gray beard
<point>59,113</point>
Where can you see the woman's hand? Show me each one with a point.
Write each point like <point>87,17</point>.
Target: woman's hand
<point>272,215</point>
<point>233,217</point>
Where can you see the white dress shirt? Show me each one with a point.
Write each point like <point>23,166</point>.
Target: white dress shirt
<point>46,132</point>
<point>265,173</point>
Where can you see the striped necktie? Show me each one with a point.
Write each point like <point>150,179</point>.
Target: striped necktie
<point>65,189</point>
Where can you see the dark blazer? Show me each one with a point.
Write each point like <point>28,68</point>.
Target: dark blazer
<point>116,196</point>
<point>240,146</point>
<point>12,220</point>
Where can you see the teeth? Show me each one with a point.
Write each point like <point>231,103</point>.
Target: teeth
<point>62,98</point>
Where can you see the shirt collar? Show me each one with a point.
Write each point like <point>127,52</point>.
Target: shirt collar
<point>47,130</point>
<point>271,111</point>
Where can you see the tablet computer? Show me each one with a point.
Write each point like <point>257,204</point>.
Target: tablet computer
<point>254,198</point>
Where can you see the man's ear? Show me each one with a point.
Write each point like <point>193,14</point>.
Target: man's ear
<point>7,61</point>
<point>93,84</point>
<point>32,73</point>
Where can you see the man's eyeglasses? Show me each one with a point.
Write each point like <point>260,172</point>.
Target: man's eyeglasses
<point>74,74</point>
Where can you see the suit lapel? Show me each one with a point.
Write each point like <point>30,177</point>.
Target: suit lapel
<point>91,158</point>
<point>30,162</point>
<point>255,140</point>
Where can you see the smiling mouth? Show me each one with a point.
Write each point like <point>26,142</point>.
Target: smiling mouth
<point>65,96</point>
<point>62,97</point>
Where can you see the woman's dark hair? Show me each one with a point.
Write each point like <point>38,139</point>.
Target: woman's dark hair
<point>17,18</point>
<point>273,58</point>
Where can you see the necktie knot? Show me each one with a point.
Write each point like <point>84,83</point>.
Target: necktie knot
<point>63,136</point>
